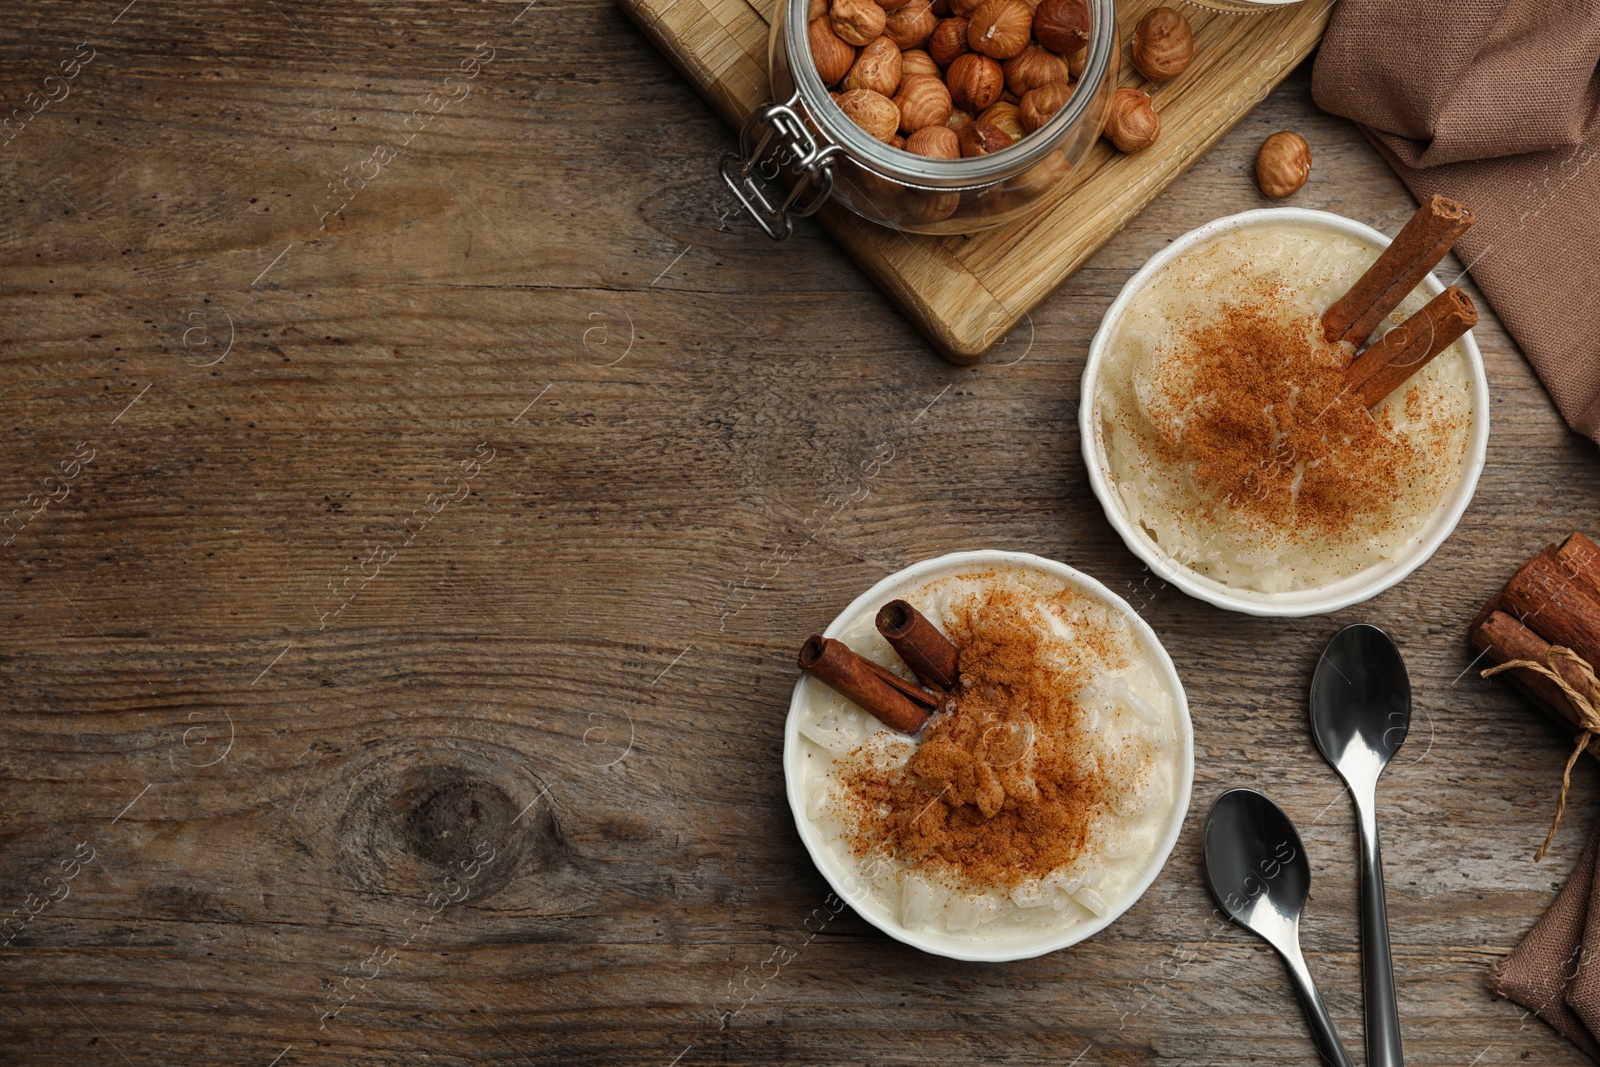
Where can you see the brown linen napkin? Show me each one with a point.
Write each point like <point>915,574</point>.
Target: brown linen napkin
<point>1554,972</point>
<point>1495,103</point>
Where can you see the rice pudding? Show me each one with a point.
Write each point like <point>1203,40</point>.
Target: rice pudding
<point>1041,795</point>
<point>1228,433</point>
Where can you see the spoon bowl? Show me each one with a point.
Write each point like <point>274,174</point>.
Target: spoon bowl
<point>1360,702</point>
<point>1256,868</point>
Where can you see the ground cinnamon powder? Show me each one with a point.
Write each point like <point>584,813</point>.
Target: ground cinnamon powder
<point>1255,406</point>
<point>1007,782</point>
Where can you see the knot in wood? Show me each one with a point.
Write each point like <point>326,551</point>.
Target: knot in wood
<point>455,818</point>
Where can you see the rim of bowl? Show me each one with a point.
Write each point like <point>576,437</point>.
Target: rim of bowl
<point>1352,589</point>
<point>955,946</point>
<point>1242,7</point>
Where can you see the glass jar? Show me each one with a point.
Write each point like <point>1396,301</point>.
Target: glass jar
<point>814,149</point>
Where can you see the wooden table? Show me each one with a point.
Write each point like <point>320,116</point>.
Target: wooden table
<point>400,677</point>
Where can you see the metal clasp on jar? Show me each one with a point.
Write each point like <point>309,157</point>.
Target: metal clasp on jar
<point>786,142</point>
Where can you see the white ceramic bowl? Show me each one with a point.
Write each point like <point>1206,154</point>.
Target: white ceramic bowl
<point>842,877</point>
<point>1365,584</point>
<point>1243,7</point>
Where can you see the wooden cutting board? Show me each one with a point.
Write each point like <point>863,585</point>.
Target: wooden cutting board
<point>966,293</point>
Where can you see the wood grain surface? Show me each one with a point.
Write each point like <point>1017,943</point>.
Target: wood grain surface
<point>403,581</point>
<point>967,293</point>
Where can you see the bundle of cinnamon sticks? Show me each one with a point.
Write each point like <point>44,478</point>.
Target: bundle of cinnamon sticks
<point>1553,599</point>
<point>1389,361</point>
<point>1542,633</point>
<point>876,689</point>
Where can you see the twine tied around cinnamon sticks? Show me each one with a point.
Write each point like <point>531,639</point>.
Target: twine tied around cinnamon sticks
<point>1585,706</point>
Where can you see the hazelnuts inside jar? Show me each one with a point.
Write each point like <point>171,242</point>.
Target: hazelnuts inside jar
<point>916,61</point>
<point>984,74</point>
<point>877,67</point>
<point>856,21</point>
<point>1061,25</point>
<point>979,138</point>
<point>1033,67</point>
<point>910,26</point>
<point>1040,105</point>
<point>1006,118</point>
<point>923,101</point>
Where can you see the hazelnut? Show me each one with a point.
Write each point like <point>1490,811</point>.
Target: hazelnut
<point>1163,44</point>
<point>832,56</point>
<point>916,61</point>
<point>1040,105</point>
<point>1283,164</point>
<point>872,111</point>
<point>1061,25</point>
<point>1032,67</point>
<point>1004,117</point>
<point>1037,179</point>
<point>910,26</point>
<point>985,203</point>
<point>817,10</point>
<point>948,40</point>
<point>935,142</point>
<point>1000,28</point>
<point>975,81</point>
<point>923,206</point>
<point>856,21</point>
<point>964,8</point>
<point>978,138</point>
<point>923,101</point>
<point>892,5</point>
<point>876,68</point>
<point>942,8</point>
<point>878,190</point>
<point>1077,61</point>
<point>958,119</point>
<point>1131,123</point>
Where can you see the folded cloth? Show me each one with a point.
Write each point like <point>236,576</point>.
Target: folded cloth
<point>1555,971</point>
<point>1495,103</point>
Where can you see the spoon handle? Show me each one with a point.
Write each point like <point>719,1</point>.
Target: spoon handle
<point>1377,967</point>
<point>1323,1035</point>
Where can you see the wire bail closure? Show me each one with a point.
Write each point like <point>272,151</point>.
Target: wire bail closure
<point>750,171</point>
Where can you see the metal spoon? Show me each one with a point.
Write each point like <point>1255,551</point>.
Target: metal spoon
<point>1360,712</point>
<point>1257,870</point>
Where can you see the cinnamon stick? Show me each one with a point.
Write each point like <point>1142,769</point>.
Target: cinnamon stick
<point>1576,555</point>
<point>1498,601</point>
<point>1579,557</point>
<point>928,653</point>
<point>1416,250</point>
<point>1563,610</point>
<point>1502,638</point>
<point>1406,349</point>
<point>914,692</point>
<point>852,676</point>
